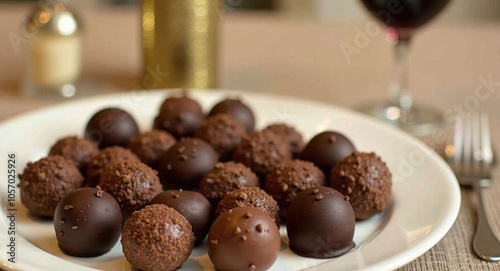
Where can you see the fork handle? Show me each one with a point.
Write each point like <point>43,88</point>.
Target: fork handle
<point>485,244</point>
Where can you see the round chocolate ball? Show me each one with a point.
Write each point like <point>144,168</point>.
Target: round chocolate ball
<point>79,151</point>
<point>87,222</point>
<point>249,197</point>
<point>223,133</point>
<point>179,123</point>
<point>45,182</point>
<point>236,109</point>
<point>289,178</point>
<point>326,149</point>
<point>225,177</point>
<point>157,237</point>
<point>132,183</point>
<point>243,238</point>
<point>288,134</point>
<point>193,206</point>
<point>181,103</point>
<point>261,152</point>
<point>111,127</point>
<point>106,158</point>
<point>366,180</point>
<point>185,163</point>
<point>150,146</point>
<point>320,223</point>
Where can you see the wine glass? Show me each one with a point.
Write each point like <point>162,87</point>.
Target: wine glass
<point>403,17</point>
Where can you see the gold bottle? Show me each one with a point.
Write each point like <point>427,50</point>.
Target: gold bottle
<point>180,43</point>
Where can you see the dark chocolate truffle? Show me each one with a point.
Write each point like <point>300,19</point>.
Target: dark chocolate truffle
<point>366,180</point>
<point>236,109</point>
<point>193,206</point>
<point>110,127</point>
<point>225,177</point>
<point>45,182</point>
<point>288,134</point>
<point>289,178</point>
<point>185,163</point>
<point>181,103</point>
<point>249,197</point>
<point>157,238</point>
<point>179,123</point>
<point>76,150</point>
<point>105,158</point>
<point>223,133</point>
<point>262,151</point>
<point>132,183</point>
<point>151,145</point>
<point>320,223</point>
<point>243,238</point>
<point>87,222</point>
<point>326,149</point>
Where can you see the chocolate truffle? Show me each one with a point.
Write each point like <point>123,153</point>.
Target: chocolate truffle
<point>76,150</point>
<point>236,109</point>
<point>366,180</point>
<point>326,149</point>
<point>320,223</point>
<point>87,222</point>
<point>110,127</point>
<point>225,177</point>
<point>223,133</point>
<point>289,178</point>
<point>243,238</point>
<point>261,152</point>
<point>288,134</point>
<point>185,163</point>
<point>181,103</point>
<point>179,123</point>
<point>105,158</point>
<point>151,145</point>
<point>132,184</point>
<point>157,238</point>
<point>249,197</point>
<point>193,206</point>
<point>45,182</point>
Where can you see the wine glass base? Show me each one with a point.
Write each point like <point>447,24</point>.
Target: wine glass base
<point>419,121</point>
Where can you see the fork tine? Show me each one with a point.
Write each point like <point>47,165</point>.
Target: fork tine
<point>467,143</point>
<point>486,148</point>
<point>477,155</point>
<point>458,141</point>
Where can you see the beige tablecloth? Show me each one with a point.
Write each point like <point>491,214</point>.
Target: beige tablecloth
<point>303,57</point>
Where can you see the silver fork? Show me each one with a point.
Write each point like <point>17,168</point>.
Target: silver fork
<point>471,157</point>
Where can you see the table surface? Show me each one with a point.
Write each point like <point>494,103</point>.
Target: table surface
<point>303,57</point>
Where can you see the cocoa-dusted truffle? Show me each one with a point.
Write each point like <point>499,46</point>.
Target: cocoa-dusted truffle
<point>182,102</point>
<point>111,127</point>
<point>193,206</point>
<point>289,134</point>
<point>243,238</point>
<point>289,178</point>
<point>236,109</point>
<point>45,182</point>
<point>132,184</point>
<point>105,158</point>
<point>151,145</point>
<point>320,223</point>
<point>156,238</point>
<point>87,222</point>
<point>261,152</point>
<point>249,197</point>
<point>366,180</point>
<point>225,177</point>
<point>77,150</point>
<point>185,163</point>
<point>223,133</point>
<point>326,149</point>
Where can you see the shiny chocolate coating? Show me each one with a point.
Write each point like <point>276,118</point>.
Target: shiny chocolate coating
<point>87,222</point>
<point>243,238</point>
<point>77,150</point>
<point>179,123</point>
<point>193,206</point>
<point>181,103</point>
<point>320,223</point>
<point>236,109</point>
<point>111,127</point>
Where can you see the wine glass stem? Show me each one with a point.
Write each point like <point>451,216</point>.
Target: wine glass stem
<point>399,93</point>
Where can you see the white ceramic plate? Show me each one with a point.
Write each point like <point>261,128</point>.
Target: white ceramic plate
<point>425,202</point>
